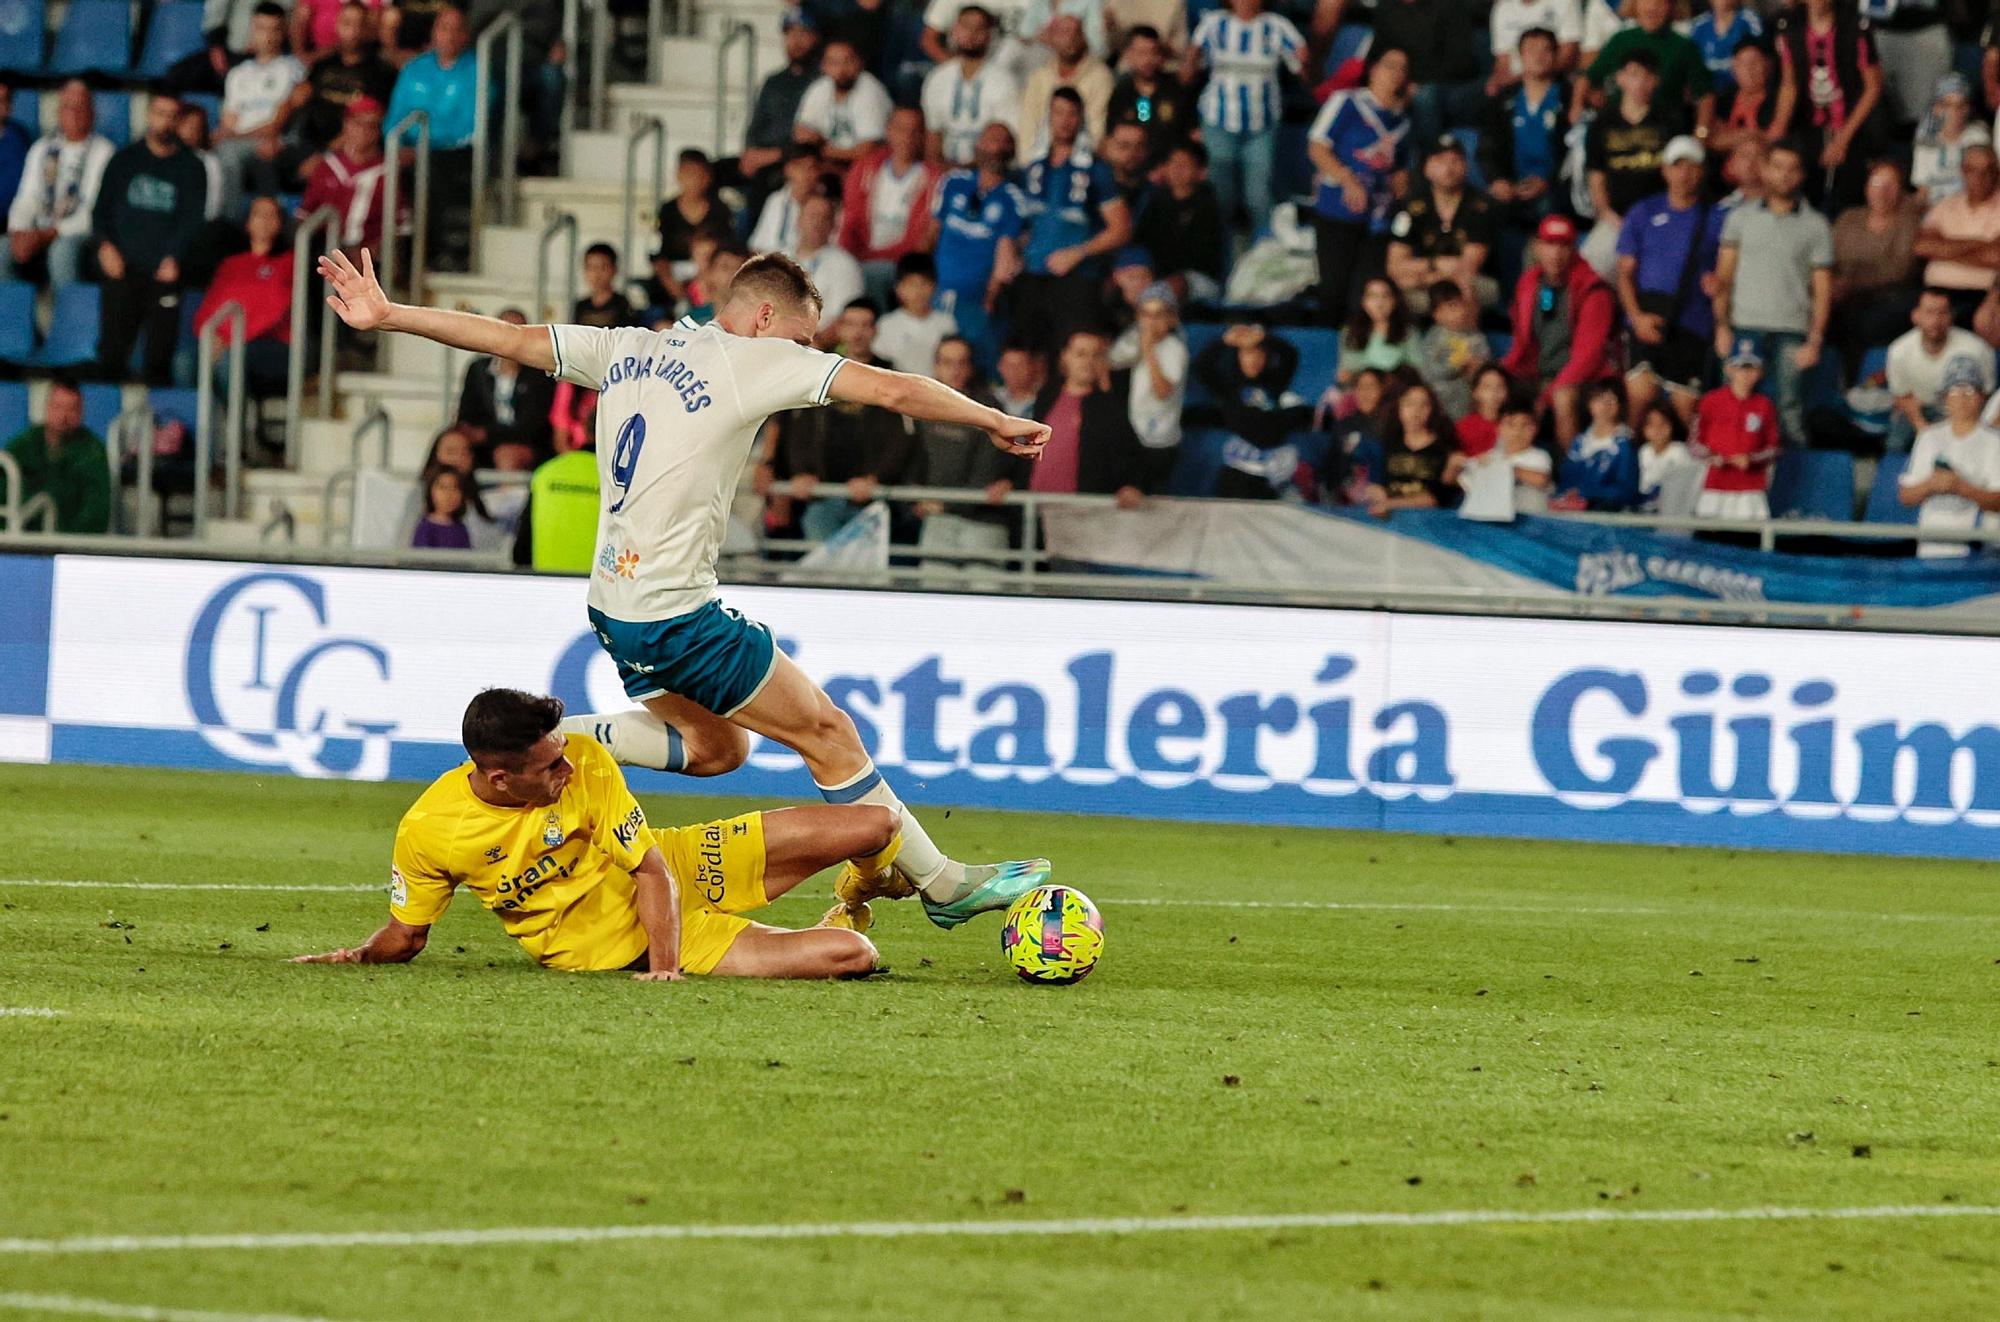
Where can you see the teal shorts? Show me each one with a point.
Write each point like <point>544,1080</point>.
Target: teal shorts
<point>712,656</point>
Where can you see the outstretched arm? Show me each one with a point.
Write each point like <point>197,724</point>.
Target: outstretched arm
<point>357,296</point>
<point>926,400</point>
<point>660,915</point>
<point>396,943</point>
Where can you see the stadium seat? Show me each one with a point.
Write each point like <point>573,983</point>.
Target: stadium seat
<point>28,110</point>
<point>95,37</point>
<point>1883,504</point>
<point>13,409</point>
<point>210,103</point>
<point>1319,358</point>
<point>17,322</point>
<point>1469,139</point>
<point>1813,484</point>
<point>173,34</point>
<point>173,403</point>
<point>114,116</point>
<point>101,406</point>
<point>72,337</point>
<point>22,25</point>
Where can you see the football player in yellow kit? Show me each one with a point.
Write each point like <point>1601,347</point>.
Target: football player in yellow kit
<point>540,826</point>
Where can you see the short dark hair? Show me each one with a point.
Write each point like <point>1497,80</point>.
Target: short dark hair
<point>799,151</point>
<point>1609,385</point>
<point>604,250</point>
<point>63,380</point>
<point>269,9</point>
<point>1933,291</point>
<point>1069,94</point>
<point>981,10</point>
<point>959,340</point>
<point>1192,148</point>
<point>1516,406</point>
<point>1543,33</point>
<point>1019,346</point>
<point>1445,291</point>
<point>776,278</point>
<point>1138,30</point>
<point>917,263</point>
<point>862,304</point>
<point>1643,56</point>
<point>695,156</point>
<point>731,247</point>
<point>1789,145</point>
<point>502,724</point>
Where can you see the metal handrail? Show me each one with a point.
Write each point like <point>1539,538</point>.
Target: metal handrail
<point>565,224</point>
<point>749,36</point>
<point>420,213</point>
<point>320,224</point>
<point>114,459</point>
<point>1768,531</point>
<point>509,26</point>
<point>600,66</point>
<point>281,517</point>
<point>488,478</point>
<point>572,54</point>
<point>10,509</point>
<point>656,35</point>
<point>376,420</point>
<point>230,315</point>
<point>655,128</point>
<point>142,462</point>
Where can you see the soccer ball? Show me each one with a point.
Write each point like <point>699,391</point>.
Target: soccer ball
<point>1053,935</point>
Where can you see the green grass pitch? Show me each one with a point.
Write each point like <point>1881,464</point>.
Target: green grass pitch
<point>1529,1028</point>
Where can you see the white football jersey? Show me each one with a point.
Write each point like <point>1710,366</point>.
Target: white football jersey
<point>677,413</point>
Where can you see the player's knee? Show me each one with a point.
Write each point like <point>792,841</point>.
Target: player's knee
<point>853,957</point>
<point>832,731</point>
<point>877,826</point>
<point>717,752</point>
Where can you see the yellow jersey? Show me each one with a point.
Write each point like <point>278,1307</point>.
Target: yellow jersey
<point>559,878</point>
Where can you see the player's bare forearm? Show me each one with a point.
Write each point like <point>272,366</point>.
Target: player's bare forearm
<point>395,943</point>
<point>927,400</point>
<point>527,345</point>
<point>660,914</point>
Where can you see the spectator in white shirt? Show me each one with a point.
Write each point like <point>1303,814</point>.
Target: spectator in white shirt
<point>253,94</point>
<point>1918,361</point>
<point>777,227</point>
<point>1035,20</point>
<point>909,336</point>
<point>832,268</point>
<point>1513,19</point>
<point>1013,50</point>
<point>48,224</point>
<point>969,91</point>
<point>846,110</point>
<point>1158,358</point>
<point>1953,477</point>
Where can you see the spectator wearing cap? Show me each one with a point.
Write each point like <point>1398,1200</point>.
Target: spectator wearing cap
<point>777,106</point>
<point>48,223</point>
<point>443,82</point>
<point>1736,434</point>
<point>349,177</point>
<point>1147,95</point>
<point>777,227</point>
<point>1154,352</point>
<point>1919,361</point>
<point>1437,37</point>
<point>1774,284</point>
<point>1875,264</point>
<point>846,110</point>
<point>977,223</point>
<point>1242,48</point>
<point>1075,219</point>
<point>1624,149</point>
<point>350,70</point>
<point>965,93</point>
<point>1444,231</point>
<point>150,207</point>
<point>1181,225</point>
<point>833,269</point>
<point>1666,252</point>
<point>1960,236</point>
<point>1074,69</point>
<point>1131,276</point>
<point>1682,79</point>
<point>886,203</point>
<point>1521,140</point>
<point>1356,145</point>
<point>1563,317</point>
<point>1953,477</point>
<point>1831,96</point>
<point>1938,157</point>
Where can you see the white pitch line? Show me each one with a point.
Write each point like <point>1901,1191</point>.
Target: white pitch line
<point>69,1304</point>
<point>1134,1225</point>
<point>28,1012</point>
<point>1391,906</point>
<point>286,886</point>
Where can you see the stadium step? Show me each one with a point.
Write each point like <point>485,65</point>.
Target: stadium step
<point>689,115</point>
<point>718,17</point>
<point>690,62</point>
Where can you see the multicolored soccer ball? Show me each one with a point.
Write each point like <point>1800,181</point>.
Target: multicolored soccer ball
<point>1053,935</point>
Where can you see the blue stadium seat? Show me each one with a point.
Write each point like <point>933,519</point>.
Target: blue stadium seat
<point>173,34</point>
<point>1319,358</point>
<point>173,403</point>
<point>101,406</point>
<point>210,103</point>
<point>17,322</point>
<point>114,116</point>
<point>13,409</point>
<point>1883,504</point>
<point>96,37</point>
<point>21,33</point>
<point>28,111</point>
<point>1813,484</point>
<point>73,331</point>
<point>1469,139</point>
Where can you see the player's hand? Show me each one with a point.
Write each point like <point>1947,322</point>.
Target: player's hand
<point>357,296</point>
<point>330,957</point>
<point>664,975</point>
<point>1020,436</point>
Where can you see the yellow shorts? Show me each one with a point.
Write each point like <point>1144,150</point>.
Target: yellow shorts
<point>719,868</point>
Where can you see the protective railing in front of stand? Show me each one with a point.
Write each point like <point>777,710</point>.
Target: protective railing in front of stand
<point>747,34</point>
<point>507,25</point>
<point>419,123</point>
<point>15,513</point>
<point>646,128</point>
<point>1769,531</point>
<point>376,422</point>
<point>232,318</point>
<point>597,85</point>
<point>320,228</point>
<point>563,224</point>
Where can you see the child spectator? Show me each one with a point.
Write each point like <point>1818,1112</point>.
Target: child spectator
<point>253,95</point>
<point>1954,473</point>
<point>602,305</point>
<point>442,526</point>
<point>1601,470</point>
<point>1417,455</point>
<point>912,333</point>
<point>1736,432</point>
<point>1663,452</point>
<point>1379,334</point>
<point>1726,28</point>
<point>1525,488</point>
<point>1478,428</point>
<point>1454,349</point>
<point>1157,357</point>
<point>1181,225</point>
<point>1355,420</point>
<point>691,213</point>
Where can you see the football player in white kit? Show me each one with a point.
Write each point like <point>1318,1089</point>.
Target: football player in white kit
<point>677,413</point>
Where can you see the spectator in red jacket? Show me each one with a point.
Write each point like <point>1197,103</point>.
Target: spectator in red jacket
<point>886,204</point>
<point>350,178</point>
<point>1563,316</point>
<point>1736,432</point>
<point>261,281</point>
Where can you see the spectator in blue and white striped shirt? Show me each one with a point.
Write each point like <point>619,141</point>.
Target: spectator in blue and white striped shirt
<point>1242,48</point>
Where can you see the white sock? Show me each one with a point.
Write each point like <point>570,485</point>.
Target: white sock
<point>937,876</point>
<point>634,738</point>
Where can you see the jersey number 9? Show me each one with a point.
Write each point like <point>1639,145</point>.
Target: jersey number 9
<point>625,457</point>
